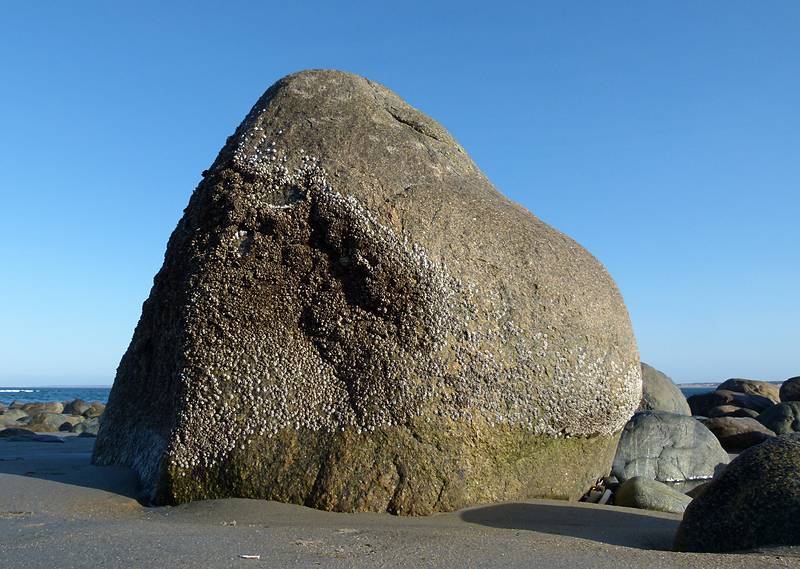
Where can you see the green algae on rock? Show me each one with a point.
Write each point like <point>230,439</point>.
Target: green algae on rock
<point>349,316</point>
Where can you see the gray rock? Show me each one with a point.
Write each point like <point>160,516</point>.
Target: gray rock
<point>738,433</point>
<point>782,418</point>
<point>790,389</point>
<point>702,403</point>
<point>754,503</point>
<point>645,494</point>
<point>387,331</point>
<point>731,411</point>
<point>76,407</point>
<point>659,393</point>
<point>752,387</point>
<point>668,448</point>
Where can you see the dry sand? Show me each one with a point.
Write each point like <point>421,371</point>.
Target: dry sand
<point>56,510</point>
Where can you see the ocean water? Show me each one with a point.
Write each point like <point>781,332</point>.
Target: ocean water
<point>689,391</point>
<point>44,394</point>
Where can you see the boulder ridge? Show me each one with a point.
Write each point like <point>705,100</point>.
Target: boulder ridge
<point>350,316</point>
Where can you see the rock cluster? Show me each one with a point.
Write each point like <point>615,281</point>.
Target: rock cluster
<point>75,416</point>
<point>349,316</point>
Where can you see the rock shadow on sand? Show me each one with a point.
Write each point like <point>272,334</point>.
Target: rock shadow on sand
<point>68,463</point>
<point>614,526</point>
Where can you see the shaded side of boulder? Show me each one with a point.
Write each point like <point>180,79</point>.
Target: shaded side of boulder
<point>752,387</point>
<point>659,393</point>
<point>334,326</point>
<point>782,418</point>
<point>668,448</point>
<point>754,503</point>
<point>645,494</point>
<point>738,433</point>
<point>790,389</point>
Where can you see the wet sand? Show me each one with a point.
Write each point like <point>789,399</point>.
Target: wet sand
<point>56,510</point>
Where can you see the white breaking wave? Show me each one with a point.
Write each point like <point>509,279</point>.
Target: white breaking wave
<point>19,390</point>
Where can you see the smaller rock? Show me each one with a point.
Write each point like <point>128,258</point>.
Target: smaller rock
<point>731,411</point>
<point>790,389</point>
<point>783,418</point>
<point>738,433</point>
<point>76,407</point>
<point>668,448</point>
<point>752,387</point>
<point>659,393</point>
<point>647,494</point>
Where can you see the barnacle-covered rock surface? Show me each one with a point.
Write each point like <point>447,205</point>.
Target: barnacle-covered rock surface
<point>349,316</point>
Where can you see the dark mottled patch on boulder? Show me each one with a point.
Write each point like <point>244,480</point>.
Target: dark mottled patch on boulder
<point>351,317</point>
<point>754,503</point>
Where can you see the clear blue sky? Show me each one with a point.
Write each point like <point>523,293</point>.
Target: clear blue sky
<point>663,136</point>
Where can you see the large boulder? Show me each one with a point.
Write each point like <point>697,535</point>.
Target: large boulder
<point>668,448</point>
<point>702,403</point>
<point>782,418</point>
<point>349,316</point>
<point>737,433</point>
<point>659,393</point>
<point>645,494</point>
<point>752,387</point>
<point>754,503</point>
<point>790,389</point>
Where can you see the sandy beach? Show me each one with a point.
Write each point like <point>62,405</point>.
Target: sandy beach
<point>58,510</point>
